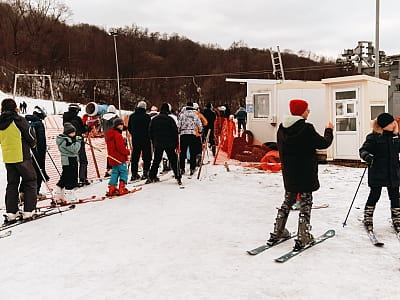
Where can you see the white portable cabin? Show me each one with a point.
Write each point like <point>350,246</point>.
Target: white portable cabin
<point>350,103</point>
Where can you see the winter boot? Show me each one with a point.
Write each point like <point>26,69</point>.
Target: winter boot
<point>59,195</point>
<point>122,190</point>
<point>70,196</point>
<point>368,217</point>
<point>135,177</point>
<point>304,237</point>
<point>28,215</point>
<point>112,191</point>
<point>145,174</point>
<point>151,180</point>
<point>12,217</point>
<point>396,219</point>
<point>192,171</point>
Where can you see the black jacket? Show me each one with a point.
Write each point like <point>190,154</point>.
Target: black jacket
<point>37,124</point>
<point>138,126</point>
<point>385,169</point>
<point>75,120</point>
<point>163,131</point>
<point>297,146</point>
<point>210,115</point>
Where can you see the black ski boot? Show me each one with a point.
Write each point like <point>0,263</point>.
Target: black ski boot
<point>368,217</point>
<point>396,219</point>
<point>145,175</point>
<point>280,231</point>
<point>304,237</point>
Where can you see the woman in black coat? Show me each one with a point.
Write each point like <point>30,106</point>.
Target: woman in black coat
<point>381,152</point>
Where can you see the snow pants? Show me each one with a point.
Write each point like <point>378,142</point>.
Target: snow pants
<point>158,152</point>
<point>118,172</point>
<point>21,173</point>
<point>144,148</point>
<point>69,175</point>
<point>375,194</point>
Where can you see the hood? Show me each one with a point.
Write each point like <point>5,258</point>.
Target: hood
<point>293,134</point>
<point>68,116</point>
<point>111,109</point>
<point>6,119</point>
<point>140,110</point>
<point>108,116</point>
<point>62,137</point>
<point>290,120</point>
<point>378,129</point>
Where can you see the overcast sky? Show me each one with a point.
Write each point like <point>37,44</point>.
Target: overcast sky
<point>325,27</point>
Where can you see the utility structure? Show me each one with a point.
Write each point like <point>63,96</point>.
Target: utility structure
<point>277,65</point>
<point>114,34</point>
<point>35,76</point>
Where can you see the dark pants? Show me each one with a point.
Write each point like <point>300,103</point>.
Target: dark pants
<point>158,152</point>
<point>83,162</point>
<point>143,148</point>
<point>242,124</point>
<point>40,166</point>
<point>16,172</point>
<point>69,175</point>
<point>375,194</point>
<point>188,140</point>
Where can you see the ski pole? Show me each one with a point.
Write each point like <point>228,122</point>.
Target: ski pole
<point>54,164</point>
<point>104,153</point>
<point>362,176</point>
<point>41,172</point>
<point>93,156</point>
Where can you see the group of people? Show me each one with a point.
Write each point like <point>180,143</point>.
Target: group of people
<point>297,143</point>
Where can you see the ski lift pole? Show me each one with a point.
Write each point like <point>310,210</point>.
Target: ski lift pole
<point>362,176</point>
<point>104,153</point>
<point>93,155</point>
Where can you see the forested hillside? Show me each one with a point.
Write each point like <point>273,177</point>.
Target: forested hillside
<point>153,66</point>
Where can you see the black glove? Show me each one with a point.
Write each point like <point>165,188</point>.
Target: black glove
<point>369,159</point>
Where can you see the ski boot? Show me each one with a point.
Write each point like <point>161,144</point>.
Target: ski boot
<point>10,218</point>
<point>70,197</point>
<point>368,217</point>
<point>396,219</point>
<point>135,177</point>
<point>304,237</point>
<point>112,191</point>
<point>275,238</point>
<point>122,190</point>
<point>152,180</point>
<point>145,175</point>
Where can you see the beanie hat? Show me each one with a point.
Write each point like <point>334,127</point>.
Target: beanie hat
<point>111,109</point>
<point>190,104</point>
<point>117,122</point>
<point>298,107</point>
<point>8,105</point>
<point>208,105</point>
<point>165,107</point>
<point>142,104</point>
<point>69,128</point>
<point>385,119</point>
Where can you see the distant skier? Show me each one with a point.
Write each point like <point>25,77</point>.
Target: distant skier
<point>164,135</point>
<point>68,144</point>
<point>241,116</point>
<point>297,144</point>
<point>17,139</point>
<point>381,152</point>
<point>118,156</point>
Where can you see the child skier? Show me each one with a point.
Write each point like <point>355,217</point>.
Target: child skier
<point>381,152</point>
<point>297,144</point>
<point>69,145</point>
<point>118,156</point>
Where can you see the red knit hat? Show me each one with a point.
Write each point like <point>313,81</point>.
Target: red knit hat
<point>298,107</point>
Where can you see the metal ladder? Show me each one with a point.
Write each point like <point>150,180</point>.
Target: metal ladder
<point>277,66</point>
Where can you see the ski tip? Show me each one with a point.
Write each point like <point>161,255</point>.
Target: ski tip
<point>379,244</point>
<point>330,232</point>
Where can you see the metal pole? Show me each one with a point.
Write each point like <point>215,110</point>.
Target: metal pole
<point>114,34</point>
<point>377,40</point>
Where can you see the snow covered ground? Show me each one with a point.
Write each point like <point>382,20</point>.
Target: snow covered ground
<point>169,243</point>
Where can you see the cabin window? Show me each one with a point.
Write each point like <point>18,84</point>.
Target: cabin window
<point>261,105</point>
<point>346,110</point>
<point>376,110</point>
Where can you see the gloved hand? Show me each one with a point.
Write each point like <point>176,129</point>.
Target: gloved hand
<point>78,137</point>
<point>369,159</point>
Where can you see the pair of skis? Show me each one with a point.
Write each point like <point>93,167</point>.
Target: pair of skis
<point>39,215</point>
<point>285,257</point>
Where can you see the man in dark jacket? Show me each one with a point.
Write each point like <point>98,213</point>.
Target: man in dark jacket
<point>297,144</point>
<point>71,116</point>
<point>210,115</point>
<point>138,127</point>
<point>164,135</point>
<point>17,139</point>
<point>36,122</point>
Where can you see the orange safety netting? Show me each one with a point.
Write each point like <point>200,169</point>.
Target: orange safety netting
<point>236,147</point>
